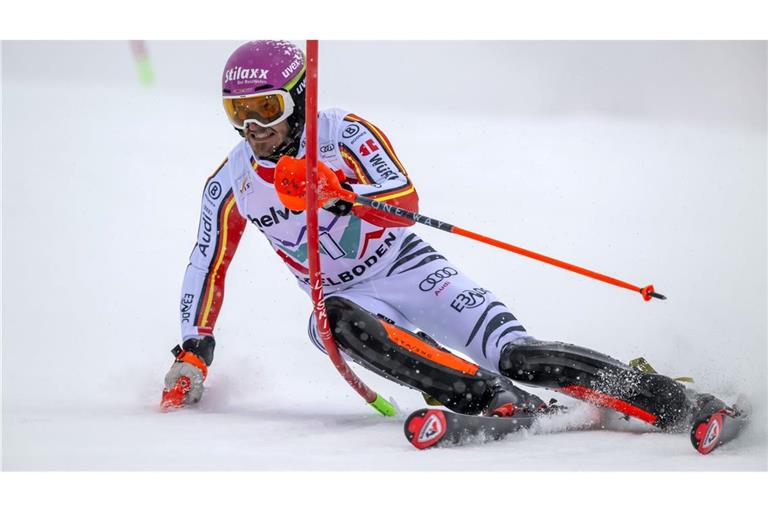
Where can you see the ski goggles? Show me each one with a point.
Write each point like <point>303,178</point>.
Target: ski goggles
<point>265,109</point>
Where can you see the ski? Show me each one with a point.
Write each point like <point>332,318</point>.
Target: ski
<point>716,424</point>
<point>427,428</point>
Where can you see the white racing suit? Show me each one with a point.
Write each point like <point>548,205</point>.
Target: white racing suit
<point>372,264</point>
<point>368,257</point>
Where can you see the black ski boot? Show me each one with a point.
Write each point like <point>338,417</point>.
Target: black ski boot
<point>597,378</point>
<point>507,400</point>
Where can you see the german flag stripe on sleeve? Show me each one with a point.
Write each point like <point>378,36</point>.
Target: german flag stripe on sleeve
<point>349,155</point>
<point>404,189</point>
<point>381,139</point>
<point>350,158</point>
<point>231,226</point>
<point>392,194</point>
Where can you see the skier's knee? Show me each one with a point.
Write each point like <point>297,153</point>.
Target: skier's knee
<point>314,334</point>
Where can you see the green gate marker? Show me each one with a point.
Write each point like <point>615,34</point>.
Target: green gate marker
<point>143,65</point>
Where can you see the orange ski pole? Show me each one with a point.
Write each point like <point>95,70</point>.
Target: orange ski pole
<point>647,291</point>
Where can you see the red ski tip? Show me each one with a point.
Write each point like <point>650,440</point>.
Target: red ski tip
<point>706,435</point>
<point>425,428</point>
<point>174,398</point>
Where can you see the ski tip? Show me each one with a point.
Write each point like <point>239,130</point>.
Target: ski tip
<point>705,434</point>
<point>425,428</point>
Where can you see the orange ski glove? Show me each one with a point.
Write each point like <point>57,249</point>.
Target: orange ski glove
<point>291,184</point>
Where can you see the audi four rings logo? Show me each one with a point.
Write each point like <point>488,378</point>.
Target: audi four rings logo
<point>432,279</point>
<point>350,131</point>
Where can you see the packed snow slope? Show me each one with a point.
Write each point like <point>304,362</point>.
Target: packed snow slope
<point>646,161</point>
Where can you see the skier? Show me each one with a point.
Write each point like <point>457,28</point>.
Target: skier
<point>393,301</point>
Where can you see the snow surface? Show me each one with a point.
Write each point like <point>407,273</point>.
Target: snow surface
<point>101,188</point>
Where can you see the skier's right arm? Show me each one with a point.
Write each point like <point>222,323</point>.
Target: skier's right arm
<point>220,229</point>
<point>218,235</point>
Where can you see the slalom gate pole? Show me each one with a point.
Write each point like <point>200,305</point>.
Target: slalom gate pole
<point>647,292</point>
<point>143,64</point>
<point>315,273</point>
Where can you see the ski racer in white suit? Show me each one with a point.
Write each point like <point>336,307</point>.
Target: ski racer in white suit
<point>374,267</point>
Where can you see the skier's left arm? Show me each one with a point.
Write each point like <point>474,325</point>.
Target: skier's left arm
<point>373,170</point>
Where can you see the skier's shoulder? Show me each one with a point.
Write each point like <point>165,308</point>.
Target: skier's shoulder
<point>220,181</point>
<point>339,114</point>
<point>339,124</point>
<point>328,123</point>
<point>332,124</point>
<point>331,115</point>
<point>224,168</point>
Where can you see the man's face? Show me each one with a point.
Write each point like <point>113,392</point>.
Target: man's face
<point>263,141</point>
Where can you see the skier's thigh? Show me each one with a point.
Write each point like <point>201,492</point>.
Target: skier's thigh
<point>452,308</point>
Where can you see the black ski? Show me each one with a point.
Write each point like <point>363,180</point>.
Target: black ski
<point>715,424</point>
<point>427,428</point>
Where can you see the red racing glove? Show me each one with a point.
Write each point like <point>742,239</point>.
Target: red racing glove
<point>291,184</point>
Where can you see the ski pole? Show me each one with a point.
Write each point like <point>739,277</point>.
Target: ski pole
<point>315,275</point>
<point>647,291</point>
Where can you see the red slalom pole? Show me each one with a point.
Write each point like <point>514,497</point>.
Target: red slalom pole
<point>313,244</point>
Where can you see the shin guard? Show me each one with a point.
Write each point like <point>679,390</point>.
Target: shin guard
<point>399,355</point>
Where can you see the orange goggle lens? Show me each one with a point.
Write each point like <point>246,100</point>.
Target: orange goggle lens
<point>266,110</point>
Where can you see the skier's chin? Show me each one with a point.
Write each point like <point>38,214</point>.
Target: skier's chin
<point>264,141</point>
<point>264,147</point>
